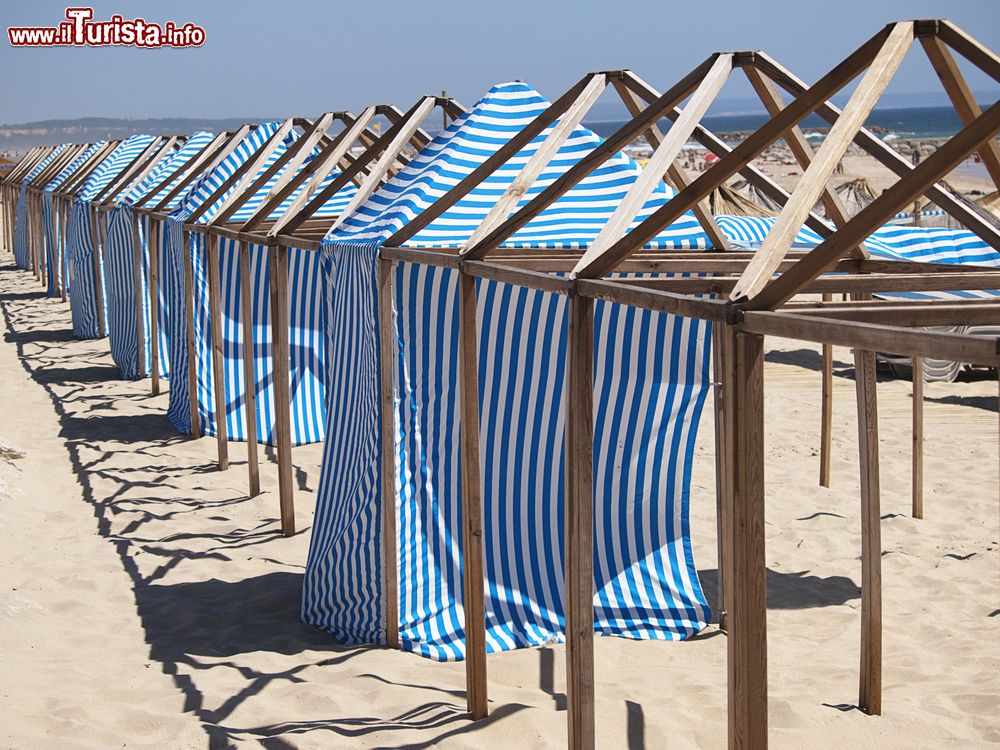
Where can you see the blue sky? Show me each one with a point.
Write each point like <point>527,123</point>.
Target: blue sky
<point>305,56</point>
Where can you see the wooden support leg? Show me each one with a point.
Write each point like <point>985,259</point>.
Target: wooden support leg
<point>282,398</point>
<point>918,437</point>
<point>140,323</point>
<point>95,220</point>
<point>747,642</point>
<point>386,336</point>
<point>64,251</point>
<point>580,524</point>
<point>249,374</point>
<point>153,240</point>
<point>472,504</point>
<point>826,420</point>
<point>192,363</point>
<point>722,475</point>
<point>870,693</point>
<point>218,367</point>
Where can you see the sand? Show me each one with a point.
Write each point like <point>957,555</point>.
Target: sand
<point>146,602</point>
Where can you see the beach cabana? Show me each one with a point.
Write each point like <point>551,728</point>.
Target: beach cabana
<point>25,226</point>
<point>86,273</point>
<point>647,585</point>
<point>11,182</point>
<point>55,225</point>
<point>127,263</point>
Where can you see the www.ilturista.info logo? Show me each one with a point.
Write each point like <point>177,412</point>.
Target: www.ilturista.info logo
<point>80,30</point>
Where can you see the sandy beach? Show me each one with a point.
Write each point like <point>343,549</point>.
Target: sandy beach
<point>146,602</point>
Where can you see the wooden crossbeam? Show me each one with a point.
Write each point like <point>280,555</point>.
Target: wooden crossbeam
<point>781,236</point>
<point>675,172</point>
<point>664,155</point>
<point>204,162</point>
<point>988,229</point>
<point>879,211</point>
<point>520,185</point>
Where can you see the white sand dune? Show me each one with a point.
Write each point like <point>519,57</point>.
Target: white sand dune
<point>146,602</point>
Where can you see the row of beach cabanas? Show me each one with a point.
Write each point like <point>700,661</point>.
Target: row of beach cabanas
<point>504,335</point>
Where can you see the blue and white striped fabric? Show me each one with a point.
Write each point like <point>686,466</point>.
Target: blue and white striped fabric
<point>84,249</point>
<point>56,256</point>
<point>306,335</point>
<point>22,247</point>
<point>119,258</point>
<point>646,414</point>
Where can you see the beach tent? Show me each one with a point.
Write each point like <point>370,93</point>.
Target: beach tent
<point>55,227</point>
<point>187,274</point>
<point>647,585</point>
<point>22,249</point>
<point>86,273</point>
<point>855,195</point>
<point>127,259</point>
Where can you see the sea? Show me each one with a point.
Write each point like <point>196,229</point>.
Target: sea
<point>910,122</point>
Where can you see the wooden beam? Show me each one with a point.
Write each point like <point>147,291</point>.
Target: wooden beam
<point>723,476</point>
<point>387,416</point>
<point>800,148</point>
<point>962,98</point>
<point>201,163</point>
<point>278,258</point>
<point>879,211</point>
<point>488,167</point>
<point>137,306</point>
<point>955,347</point>
<point>95,258</point>
<point>472,503</point>
<point>900,282</point>
<point>747,616</point>
<point>392,150</point>
<point>218,368</point>
<point>521,184</point>
<point>740,156</point>
<point>664,155</point>
<point>985,227</point>
<point>817,175</point>
<point>579,543</point>
<point>655,299</point>
<point>826,414</point>
<point>153,242</point>
<point>984,59</point>
<point>192,353</point>
<point>249,369</point>
<point>675,173</point>
<point>870,690</point>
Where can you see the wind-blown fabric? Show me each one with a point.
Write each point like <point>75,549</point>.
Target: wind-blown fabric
<point>86,262</point>
<point>22,249</point>
<point>119,258</point>
<point>651,379</point>
<point>305,336</point>
<point>55,232</point>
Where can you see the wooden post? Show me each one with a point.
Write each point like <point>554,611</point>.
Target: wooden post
<point>826,412</point>
<point>96,261</point>
<point>249,371</point>
<point>723,487</point>
<point>281,357</point>
<point>388,426</point>
<point>747,641</point>
<point>153,241</point>
<point>870,691</point>
<point>580,523</point>
<point>192,364</point>
<point>218,368</point>
<point>140,325</point>
<point>472,504</point>
<point>918,436</point>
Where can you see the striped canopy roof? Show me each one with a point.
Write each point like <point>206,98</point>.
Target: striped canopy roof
<point>166,166</point>
<point>208,183</point>
<point>112,166</point>
<point>73,166</point>
<point>573,221</point>
<point>37,169</point>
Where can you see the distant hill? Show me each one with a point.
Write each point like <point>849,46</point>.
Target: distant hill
<point>22,136</point>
